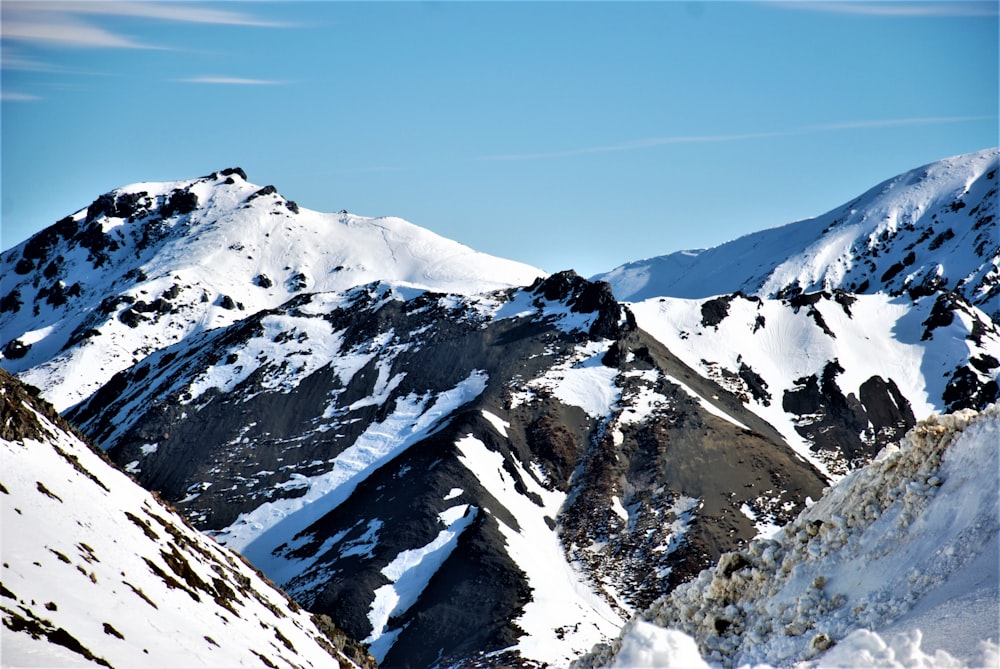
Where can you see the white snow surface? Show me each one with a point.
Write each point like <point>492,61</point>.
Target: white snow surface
<point>876,335</point>
<point>88,551</point>
<point>218,250</point>
<point>256,534</point>
<point>897,566</point>
<point>850,245</point>
<point>409,573</point>
<point>565,617</point>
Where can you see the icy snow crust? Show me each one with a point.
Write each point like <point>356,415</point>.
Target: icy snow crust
<point>241,242</point>
<point>898,565</point>
<point>944,213</point>
<point>88,551</point>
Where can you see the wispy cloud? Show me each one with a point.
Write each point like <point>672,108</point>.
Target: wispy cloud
<point>893,9</point>
<point>73,24</point>
<point>182,12</point>
<point>231,81</point>
<point>65,31</point>
<point>10,96</point>
<point>652,142</point>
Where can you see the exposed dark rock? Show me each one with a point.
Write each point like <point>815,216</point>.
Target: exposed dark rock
<point>714,311</point>
<point>179,202</point>
<point>856,428</point>
<point>11,301</point>
<point>229,171</point>
<point>966,390</point>
<point>16,349</point>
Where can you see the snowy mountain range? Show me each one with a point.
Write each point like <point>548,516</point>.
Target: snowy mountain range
<point>463,461</point>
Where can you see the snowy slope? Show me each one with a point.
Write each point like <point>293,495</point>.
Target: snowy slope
<point>934,227</point>
<point>149,264</point>
<point>96,571</point>
<point>898,565</point>
<point>839,375</point>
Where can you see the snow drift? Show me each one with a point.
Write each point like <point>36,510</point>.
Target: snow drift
<point>897,565</point>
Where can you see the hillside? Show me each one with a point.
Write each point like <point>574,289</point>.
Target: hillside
<point>99,572</point>
<point>463,461</point>
<point>147,265</point>
<point>898,565</point>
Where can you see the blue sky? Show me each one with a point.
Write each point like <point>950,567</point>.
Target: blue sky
<point>561,134</point>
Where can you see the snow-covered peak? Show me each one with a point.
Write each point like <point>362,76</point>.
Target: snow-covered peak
<point>99,572</point>
<point>934,227</point>
<point>148,264</point>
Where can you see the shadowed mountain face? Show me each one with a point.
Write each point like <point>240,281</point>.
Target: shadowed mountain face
<point>459,460</point>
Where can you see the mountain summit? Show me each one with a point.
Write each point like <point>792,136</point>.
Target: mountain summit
<point>929,229</point>
<point>149,264</point>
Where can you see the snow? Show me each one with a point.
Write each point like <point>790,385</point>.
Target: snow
<point>408,574</point>
<point>847,246</point>
<point>897,565</point>
<point>705,404</point>
<point>256,534</point>
<point>882,336</point>
<point>564,616</point>
<point>580,380</point>
<point>219,249</point>
<point>646,645</point>
<point>86,550</point>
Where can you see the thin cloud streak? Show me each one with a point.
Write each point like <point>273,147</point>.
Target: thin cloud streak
<point>180,12</point>
<point>231,81</point>
<point>895,9</point>
<point>67,32</point>
<point>653,142</point>
<point>64,24</point>
<point>10,96</point>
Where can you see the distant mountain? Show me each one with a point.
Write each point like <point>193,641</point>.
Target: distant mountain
<point>99,572</point>
<point>146,265</point>
<point>932,228</point>
<point>898,565</point>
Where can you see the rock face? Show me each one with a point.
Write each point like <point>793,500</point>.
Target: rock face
<point>390,460</point>
<point>96,569</point>
<point>839,375</point>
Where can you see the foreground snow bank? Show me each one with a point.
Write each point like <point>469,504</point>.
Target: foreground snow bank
<point>907,546</point>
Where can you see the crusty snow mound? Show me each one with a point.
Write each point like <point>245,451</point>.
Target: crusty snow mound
<point>897,565</point>
<point>98,572</point>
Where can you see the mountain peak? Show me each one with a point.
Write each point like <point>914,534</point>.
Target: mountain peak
<point>148,263</point>
<point>931,228</point>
